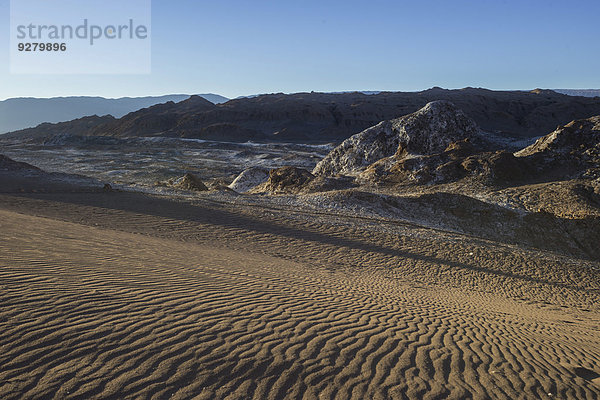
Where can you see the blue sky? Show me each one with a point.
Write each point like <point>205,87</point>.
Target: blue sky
<point>244,47</point>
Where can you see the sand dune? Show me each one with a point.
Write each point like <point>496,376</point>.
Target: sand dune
<point>118,296</point>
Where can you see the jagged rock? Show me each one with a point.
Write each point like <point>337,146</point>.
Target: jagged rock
<point>190,182</point>
<point>285,180</point>
<point>440,167</point>
<point>570,152</point>
<point>249,179</point>
<point>428,131</point>
<point>491,168</point>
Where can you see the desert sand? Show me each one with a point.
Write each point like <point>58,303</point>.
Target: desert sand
<point>124,295</point>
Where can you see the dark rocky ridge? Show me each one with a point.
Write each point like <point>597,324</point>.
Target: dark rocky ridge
<point>8,164</point>
<point>153,121</point>
<point>47,131</point>
<point>320,117</point>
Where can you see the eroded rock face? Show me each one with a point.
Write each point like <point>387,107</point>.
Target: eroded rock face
<point>249,178</point>
<point>439,167</point>
<point>428,131</point>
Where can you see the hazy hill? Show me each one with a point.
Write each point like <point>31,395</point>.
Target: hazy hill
<point>20,113</point>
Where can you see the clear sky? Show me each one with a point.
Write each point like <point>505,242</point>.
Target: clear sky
<point>239,47</point>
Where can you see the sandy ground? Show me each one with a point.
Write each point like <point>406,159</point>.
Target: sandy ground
<point>121,295</point>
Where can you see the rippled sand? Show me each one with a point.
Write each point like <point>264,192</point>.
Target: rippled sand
<point>121,295</point>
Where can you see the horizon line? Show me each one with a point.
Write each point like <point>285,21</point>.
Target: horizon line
<point>285,93</point>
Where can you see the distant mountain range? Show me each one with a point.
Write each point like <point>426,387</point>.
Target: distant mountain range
<point>21,113</point>
<point>327,117</point>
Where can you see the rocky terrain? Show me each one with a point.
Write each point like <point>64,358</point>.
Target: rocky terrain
<point>21,177</point>
<point>437,167</point>
<point>439,144</point>
<point>322,117</point>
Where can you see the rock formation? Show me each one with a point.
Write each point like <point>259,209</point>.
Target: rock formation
<point>190,182</point>
<point>428,131</point>
<point>249,179</point>
<point>439,144</point>
<point>285,180</point>
<point>571,151</point>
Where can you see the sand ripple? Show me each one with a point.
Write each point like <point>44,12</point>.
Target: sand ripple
<point>91,312</point>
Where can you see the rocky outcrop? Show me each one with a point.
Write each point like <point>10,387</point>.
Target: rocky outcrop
<point>459,160</point>
<point>428,131</point>
<point>500,168</point>
<point>439,144</point>
<point>360,150</point>
<point>190,182</point>
<point>285,180</point>
<point>249,178</point>
<point>568,140</point>
<point>465,213</point>
<point>571,151</point>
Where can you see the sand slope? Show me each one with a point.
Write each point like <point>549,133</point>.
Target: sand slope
<point>211,303</point>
